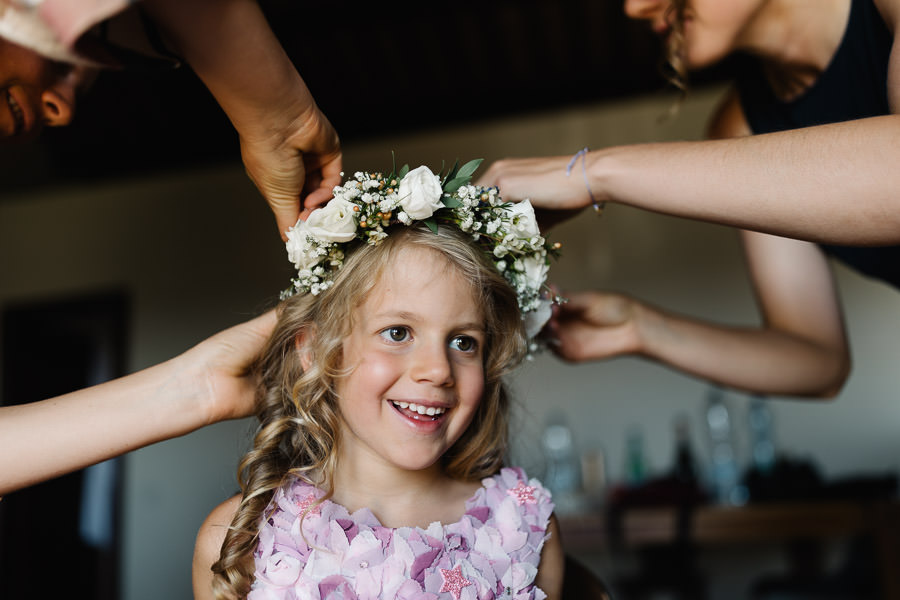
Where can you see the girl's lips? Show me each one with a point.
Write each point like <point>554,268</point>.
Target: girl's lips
<point>421,415</point>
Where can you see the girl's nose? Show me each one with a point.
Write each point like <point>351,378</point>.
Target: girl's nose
<point>432,365</point>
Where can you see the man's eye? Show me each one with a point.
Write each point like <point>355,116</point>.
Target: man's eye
<point>464,343</point>
<point>395,334</point>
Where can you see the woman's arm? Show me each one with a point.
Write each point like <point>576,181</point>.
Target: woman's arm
<point>551,569</point>
<point>288,145</point>
<point>208,383</point>
<point>800,348</point>
<point>208,546</point>
<point>834,183</point>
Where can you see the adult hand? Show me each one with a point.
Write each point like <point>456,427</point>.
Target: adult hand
<point>224,363</point>
<point>296,168</point>
<point>594,326</point>
<point>555,195</point>
<point>210,382</point>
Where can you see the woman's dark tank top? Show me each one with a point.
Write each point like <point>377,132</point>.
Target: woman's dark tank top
<point>853,86</point>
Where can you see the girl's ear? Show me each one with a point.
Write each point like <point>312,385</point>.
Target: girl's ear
<point>303,345</point>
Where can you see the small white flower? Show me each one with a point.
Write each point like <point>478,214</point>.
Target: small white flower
<point>420,193</point>
<point>522,214</point>
<point>404,218</point>
<point>333,222</point>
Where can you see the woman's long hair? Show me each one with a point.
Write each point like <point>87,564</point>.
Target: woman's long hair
<point>299,419</point>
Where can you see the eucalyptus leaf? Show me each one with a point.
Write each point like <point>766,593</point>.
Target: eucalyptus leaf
<point>470,167</point>
<point>453,170</point>
<point>455,184</point>
<point>403,171</point>
<point>432,224</point>
<point>451,202</point>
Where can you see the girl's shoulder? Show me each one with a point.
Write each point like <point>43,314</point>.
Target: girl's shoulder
<point>208,545</point>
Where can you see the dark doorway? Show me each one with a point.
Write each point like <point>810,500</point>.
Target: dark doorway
<point>61,538</point>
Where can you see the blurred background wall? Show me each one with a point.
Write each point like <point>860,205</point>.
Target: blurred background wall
<point>197,250</point>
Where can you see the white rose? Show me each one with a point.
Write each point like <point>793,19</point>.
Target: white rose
<point>300,251</point>
<point>420,193</point>
<point>334,222</point>
<point>535,269</point>
<point>522,214</point>
<point>534,320</point>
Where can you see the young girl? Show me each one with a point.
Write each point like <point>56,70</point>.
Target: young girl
<point>376,471</point>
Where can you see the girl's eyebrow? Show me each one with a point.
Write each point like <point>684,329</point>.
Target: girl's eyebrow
<point>405,315</point>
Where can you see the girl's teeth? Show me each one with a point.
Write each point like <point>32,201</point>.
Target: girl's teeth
<point>422,410</point>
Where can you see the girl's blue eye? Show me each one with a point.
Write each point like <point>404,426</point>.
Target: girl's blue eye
<point>464,343</point>
<point>395,334</point>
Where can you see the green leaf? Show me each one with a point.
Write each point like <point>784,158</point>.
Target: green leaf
<point>470,167</point>
<point>403,171</point>
<point>452,172</point>
<point>451,202</point>
<point>393,163</point>
<point>455,184</point>
<point>432,224</point>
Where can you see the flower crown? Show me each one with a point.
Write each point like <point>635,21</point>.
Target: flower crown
<point>366,205</point>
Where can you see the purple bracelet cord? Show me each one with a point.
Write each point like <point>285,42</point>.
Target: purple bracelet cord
<point>598,206</point>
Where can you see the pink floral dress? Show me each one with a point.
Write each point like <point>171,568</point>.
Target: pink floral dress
<point>492,552</point>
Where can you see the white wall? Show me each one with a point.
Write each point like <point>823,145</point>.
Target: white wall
<point>198,252</point>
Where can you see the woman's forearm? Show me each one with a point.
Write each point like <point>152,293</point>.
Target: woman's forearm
<point>231,47</point>
<point>758,360</point>
<point>211,382</point>
<point>45,439</point>
<point>835,183</point>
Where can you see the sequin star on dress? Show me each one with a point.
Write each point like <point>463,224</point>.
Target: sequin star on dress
<point>492,552</point>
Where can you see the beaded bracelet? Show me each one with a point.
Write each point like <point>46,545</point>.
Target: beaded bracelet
<point>597,204</point>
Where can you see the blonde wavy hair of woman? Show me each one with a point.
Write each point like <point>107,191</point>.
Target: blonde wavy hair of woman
<point>299,430</point>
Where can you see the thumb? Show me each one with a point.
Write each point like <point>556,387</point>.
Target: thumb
<point>286,211</point>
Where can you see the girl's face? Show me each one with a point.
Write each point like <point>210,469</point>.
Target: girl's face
<point>417,366</point>
<point>712,28</point>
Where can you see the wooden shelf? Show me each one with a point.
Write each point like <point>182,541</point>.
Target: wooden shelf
<point>775,523</point>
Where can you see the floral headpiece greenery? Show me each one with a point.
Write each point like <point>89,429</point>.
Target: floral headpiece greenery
<point>366,205</point>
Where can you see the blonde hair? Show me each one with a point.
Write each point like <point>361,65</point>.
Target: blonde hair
<point>299,430</point>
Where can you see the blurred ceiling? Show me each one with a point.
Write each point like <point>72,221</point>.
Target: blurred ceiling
<point>372,67</point>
